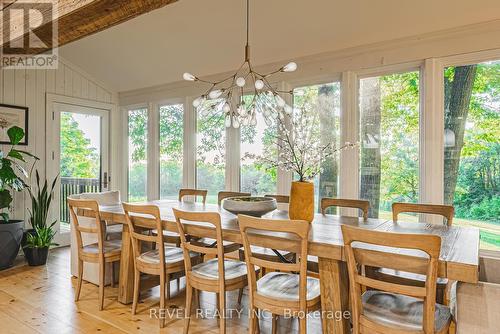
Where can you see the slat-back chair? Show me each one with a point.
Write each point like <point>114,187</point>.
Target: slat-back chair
<point>193,192</point>
<point>280,198</point>
<point>165,262</point>
<point>390,307</point>
<point>216,275</point>
<point>225,194</point>
<point>364,206</point>
<point>283,292</point>
<point>102,252</point>
<point>389,275</point>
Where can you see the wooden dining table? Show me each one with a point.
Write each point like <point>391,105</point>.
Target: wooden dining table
<point>459,258</point>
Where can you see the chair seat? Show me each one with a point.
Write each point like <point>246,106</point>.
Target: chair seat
<point>441,282</point>
<point>229,246</point>
<point>285,286</point>
<point>172,255</point>
<point>169,237</point>
<point>109,246</point>
<point>210,269</point>
<point>114,232</point>
<point>267,254</point>
<point>401,312</point>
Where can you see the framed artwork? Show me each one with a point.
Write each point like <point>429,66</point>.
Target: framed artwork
<point>13,116</point>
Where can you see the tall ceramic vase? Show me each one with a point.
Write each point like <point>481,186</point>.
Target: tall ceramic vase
<point>302,201</point>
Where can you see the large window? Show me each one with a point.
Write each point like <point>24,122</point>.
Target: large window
<point>210,151</point>
<point>137,157</point>
<point>171,150</point>
<point>258,140</point>
<point>472,148</point>
<point>389,141</point>
<point>321,103</point>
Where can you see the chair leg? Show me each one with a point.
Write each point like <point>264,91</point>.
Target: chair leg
<point>189,301</point>
<point>222,312</point>
<point>79,280</point>
<point>303,325</point>
<point>217,297</point>
<point>197,297</point>
<point>240,295</point>
<point>102,273</point>
<point>137,290</point>
<point>275,324</point>
<point>162,300</point>
<point>167,278</point>
<point>112,274</point>
<point>253,326</point>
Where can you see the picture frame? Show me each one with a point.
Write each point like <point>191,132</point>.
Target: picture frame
<point>11,115</point>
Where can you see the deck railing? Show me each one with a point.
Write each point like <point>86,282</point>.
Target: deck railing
<point>71,186</point>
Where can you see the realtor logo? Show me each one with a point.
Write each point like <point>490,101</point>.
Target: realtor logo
<point>29,34</point>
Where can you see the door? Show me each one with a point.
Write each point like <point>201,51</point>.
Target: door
<point>79,155</point>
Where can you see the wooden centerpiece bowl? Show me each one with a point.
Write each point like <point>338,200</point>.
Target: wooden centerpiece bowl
<point>249,205</point>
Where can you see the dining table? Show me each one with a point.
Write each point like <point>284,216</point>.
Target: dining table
<point>458,261</point>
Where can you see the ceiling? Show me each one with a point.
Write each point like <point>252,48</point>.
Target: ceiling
<point>207,36</point>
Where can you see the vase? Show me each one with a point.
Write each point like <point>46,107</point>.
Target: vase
<point>302,201</point>
<point>11,234</point>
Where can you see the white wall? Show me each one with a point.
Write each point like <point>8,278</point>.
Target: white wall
<point>29,88</point>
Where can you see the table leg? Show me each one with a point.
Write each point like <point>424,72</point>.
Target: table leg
<point>334,285</point>
<point>126,282</point>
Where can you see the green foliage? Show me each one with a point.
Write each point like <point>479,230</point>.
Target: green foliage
<point>40,202</point>
<point>78,157</point>
<point>42,237</point>
<point>13,174</point>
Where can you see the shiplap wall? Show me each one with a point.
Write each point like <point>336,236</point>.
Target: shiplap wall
<point>29,88</point>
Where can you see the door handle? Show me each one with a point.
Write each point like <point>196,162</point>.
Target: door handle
<point>105,180</point>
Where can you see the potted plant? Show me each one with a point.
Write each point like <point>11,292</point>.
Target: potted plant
<point>12,179</point>
<point>39,239</point>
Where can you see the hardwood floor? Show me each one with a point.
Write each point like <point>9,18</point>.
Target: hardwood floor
<point>41,300</point>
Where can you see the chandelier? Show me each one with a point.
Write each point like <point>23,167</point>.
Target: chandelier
<point>227,95</point>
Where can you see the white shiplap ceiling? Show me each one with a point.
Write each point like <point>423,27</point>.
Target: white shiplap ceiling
<point>207,36</point>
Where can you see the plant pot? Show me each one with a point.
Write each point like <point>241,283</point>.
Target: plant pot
<point>11,234</point>
<point>302,201</point>
<point>36,256</point>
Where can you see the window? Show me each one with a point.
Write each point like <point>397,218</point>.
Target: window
<point>324,102</point>
<point>389,141</point>
<point>137,157</point>
<point>472,148</point>
<point>210,151</point>
<point>257,140</point>
<point>171,150</point>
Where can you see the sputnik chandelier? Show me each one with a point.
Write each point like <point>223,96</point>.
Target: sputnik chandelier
<point>227,95</point>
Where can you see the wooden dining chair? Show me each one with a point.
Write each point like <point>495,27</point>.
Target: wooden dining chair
<point>364,206</point>
<point>280,198</point>
<point>193,192</point>
<point>289,291</point>
<point>165,262</point>
<point>102,252</point>
<point>216,275</point>
<point>389,307</point>
<point>401,277</point>
<point>225,194</point>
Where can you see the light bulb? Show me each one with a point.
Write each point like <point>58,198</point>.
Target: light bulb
<point>279,100</point>
<point>188,77</point>
<point>242,110</point>
<point>197,102</point>
<point>245,121</point>
<point>215,94</point>
<point>240,82</point>
<point>288,109</point>
<point>228,121</point>
<point>290,67</point>
<point>254,120</point>
<point>236,123</point>
<point>226,108</point>
<point>299,92</point>
<point>259,84</point>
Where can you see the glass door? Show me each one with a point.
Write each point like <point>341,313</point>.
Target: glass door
<point>79,156</point>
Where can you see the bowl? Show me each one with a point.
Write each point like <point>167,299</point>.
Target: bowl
<point>249,205</point>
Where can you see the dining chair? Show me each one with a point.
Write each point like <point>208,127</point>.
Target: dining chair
<point>216,275</point>
<point>102,252</point>
<point>225,194</point>
<point>193,192</point>
<point>280,198</point>
<point>364,206</point>
<point>287,290</point>
<point>381,307</point>
<point>401,277</point>
<point>164,261</point>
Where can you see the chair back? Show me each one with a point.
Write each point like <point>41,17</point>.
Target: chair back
<point>447,211</point>
<point>364,206</point>
<point>298,231</point>
<point>225,194</point>
<point>366,251</point>
<point>193,192</point>
<point>134,215</point>
<point>97,229</point>
<point>212,218</point>
<point>280,198</point>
